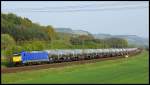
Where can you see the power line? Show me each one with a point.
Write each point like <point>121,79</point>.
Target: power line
<point>72,7</point>
<point>89,5</point>
<point>80,10</point>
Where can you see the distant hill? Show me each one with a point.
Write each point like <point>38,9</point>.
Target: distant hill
<point>102,36</point>
<point>132,39</point>
<point>64,30</point>
<point>69,30</point>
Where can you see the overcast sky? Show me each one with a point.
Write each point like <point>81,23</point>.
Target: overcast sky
<point>126,21</point>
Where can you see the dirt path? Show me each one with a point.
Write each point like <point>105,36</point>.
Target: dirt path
<point>53,65</point>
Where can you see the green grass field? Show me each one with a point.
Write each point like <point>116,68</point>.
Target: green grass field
<point>125,70</point>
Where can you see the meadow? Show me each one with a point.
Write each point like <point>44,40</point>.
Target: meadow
<point>132,70</point>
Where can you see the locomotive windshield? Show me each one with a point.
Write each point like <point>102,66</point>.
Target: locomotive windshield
<point>16,54</point>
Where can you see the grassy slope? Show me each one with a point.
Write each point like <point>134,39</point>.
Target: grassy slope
<point>126,70</point>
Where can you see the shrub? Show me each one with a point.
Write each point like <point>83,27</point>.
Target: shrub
<point>7,41</point>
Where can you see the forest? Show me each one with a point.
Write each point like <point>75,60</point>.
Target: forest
<point>21,34</point>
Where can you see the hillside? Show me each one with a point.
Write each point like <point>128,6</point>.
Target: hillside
<point>23,29</point>
<point>135,40</point>
<point>69,30</point>
<point>64,30</point>
<point>27,35</point>
<point>102,36</point>
<point>132,39</point>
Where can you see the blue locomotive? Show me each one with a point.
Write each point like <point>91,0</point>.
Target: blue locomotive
<point>30,57</point>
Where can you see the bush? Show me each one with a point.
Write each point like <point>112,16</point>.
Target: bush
<point>33,45</point>
<point>7,41</point>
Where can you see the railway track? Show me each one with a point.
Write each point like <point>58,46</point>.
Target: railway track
<point>62,64</point>
<point>54,65</point>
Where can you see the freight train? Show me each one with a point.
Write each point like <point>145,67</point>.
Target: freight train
<point>68,55</point>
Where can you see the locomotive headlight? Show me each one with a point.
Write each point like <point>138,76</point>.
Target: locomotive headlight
<point>126,56</point>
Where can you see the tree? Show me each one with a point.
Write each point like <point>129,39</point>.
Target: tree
<point>7,41</point>
<point>51,32</point>
<point>85,37</point>
<point>116,42</point>
<point>7,45</point>
<point>75,41</point>
<point>23,28</point>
